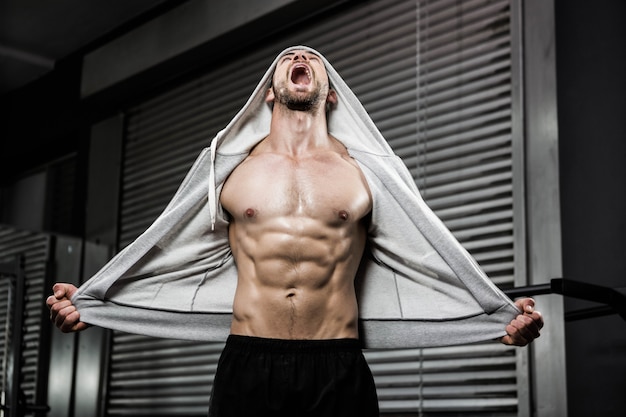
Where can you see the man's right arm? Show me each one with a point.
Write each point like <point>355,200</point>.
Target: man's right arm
<point>62,312</point>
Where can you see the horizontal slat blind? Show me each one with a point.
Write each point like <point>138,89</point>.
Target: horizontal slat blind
<point>448,117</point>
<point>479,379</point>
<point>461,159</point>
<point>6,316</point>
<point>35,249</point>
<point>160,377</point>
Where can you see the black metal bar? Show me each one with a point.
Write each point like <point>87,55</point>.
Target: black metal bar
<point>588,313</point>
<point>615,302</point>
<point>529,290</point>
<point>591,292</point>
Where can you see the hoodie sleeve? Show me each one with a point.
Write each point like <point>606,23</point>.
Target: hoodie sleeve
<point>175,280</point>
<point>434,292</point>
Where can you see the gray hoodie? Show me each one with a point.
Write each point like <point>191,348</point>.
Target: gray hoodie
<point>416,285</point>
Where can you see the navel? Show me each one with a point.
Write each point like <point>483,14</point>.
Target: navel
<point>291,293</point>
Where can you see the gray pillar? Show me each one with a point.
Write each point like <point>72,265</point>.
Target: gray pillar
<point>546,364</point>
<point>67,258</point>
<point>101,218</point>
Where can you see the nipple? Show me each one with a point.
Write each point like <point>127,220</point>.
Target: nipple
<point>250,212</point>
<point>343,215</point>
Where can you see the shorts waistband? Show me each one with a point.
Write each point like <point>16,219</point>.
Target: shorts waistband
<point>262,343</point>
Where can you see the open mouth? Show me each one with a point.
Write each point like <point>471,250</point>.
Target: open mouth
<point>300,75</point>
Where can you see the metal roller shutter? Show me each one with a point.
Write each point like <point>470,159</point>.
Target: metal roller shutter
<point>160,377</point>
<point>436,78</point>
<point>464,142</point>
<point>35,250</point>
<point>461,158</point>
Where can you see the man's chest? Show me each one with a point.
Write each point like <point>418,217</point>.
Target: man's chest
<point>275,185</point>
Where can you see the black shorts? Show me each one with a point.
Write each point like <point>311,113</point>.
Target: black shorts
<point>270,377</point>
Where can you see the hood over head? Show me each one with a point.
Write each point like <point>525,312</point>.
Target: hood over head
<point>348,121</point>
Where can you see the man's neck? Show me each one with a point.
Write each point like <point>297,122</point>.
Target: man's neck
<point>296,132</point>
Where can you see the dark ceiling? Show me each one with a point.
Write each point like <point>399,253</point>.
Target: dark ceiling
<point>36,34</point>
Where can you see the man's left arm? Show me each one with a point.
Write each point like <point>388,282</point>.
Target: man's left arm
<point>525,327</point>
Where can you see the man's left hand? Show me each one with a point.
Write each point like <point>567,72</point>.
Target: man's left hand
<point>524,328</point>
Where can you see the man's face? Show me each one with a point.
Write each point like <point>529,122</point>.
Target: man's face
<point>300,81</point>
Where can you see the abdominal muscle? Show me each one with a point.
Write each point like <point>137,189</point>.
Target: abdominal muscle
<point>296,278</point>
<point>297,235</point>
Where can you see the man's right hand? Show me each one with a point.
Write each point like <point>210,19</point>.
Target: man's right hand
<point>62,312</point>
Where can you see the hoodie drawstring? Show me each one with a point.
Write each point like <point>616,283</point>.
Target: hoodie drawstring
<point>212,186</point>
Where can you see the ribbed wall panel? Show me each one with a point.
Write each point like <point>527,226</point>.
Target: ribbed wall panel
<point>452,379</point>
<point>6,317</point>
<point>35,250</point>
<point>160,376</point>
<point>463,163</point>
<point>435,77</point>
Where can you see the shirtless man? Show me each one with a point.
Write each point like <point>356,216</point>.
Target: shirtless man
<point>298,208</point>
